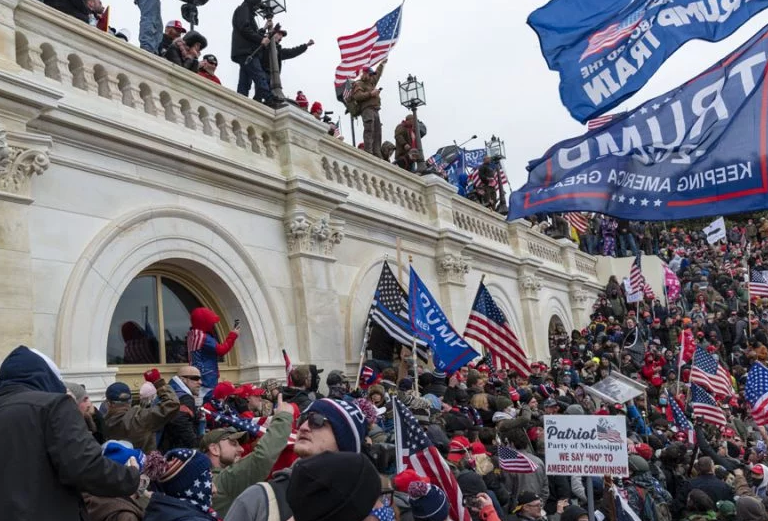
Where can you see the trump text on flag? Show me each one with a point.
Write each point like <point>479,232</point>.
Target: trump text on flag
<point>687,153</point>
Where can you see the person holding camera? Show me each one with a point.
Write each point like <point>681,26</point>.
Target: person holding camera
<point>368,97</point>
<point>185,51</point>
<point>248,44</point>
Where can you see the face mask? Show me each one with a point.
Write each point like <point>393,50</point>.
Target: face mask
<point>662,402</point>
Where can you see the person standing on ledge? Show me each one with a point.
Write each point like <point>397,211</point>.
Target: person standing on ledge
<point>204,350</point>
<point>368,97</point>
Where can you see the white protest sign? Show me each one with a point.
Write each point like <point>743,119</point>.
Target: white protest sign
<point>635,297</point>
<point>715,231</point>
<point>586,445</point>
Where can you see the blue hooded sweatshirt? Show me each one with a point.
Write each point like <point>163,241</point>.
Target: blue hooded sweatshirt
<point>24,367</point>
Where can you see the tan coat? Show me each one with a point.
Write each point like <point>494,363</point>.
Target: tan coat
<point>139,424</point>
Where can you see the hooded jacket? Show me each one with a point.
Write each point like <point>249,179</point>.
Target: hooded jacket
<point>204,351</point>
<point>182,430</point>
<point>246,35</point>
<point>54,457</point>
<point>167,508</point>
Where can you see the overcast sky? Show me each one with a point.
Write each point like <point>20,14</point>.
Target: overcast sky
<point>480,63</point>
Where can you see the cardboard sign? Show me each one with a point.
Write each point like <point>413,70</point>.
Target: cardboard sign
<point>586,445</point>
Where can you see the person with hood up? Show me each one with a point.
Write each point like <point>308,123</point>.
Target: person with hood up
<point>204,350</point>
<point>185,50</point>
<point>50,457</point>
<point>185,489</point>
<point>643,487</point>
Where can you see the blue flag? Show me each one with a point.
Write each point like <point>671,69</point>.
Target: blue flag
<point>449,350</point>
<point>606,50</point>
<point>474,158</point>
<point>697,151</point>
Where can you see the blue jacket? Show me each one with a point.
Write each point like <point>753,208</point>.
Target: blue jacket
<point>204,350</point>
<point>167,508</point>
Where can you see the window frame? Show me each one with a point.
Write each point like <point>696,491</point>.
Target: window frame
<point>197,288</point>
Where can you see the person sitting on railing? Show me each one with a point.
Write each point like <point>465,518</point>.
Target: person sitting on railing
<point>173,29</point>
<point>185,50</point>
<point>76,8</point>
<point>208,68</point>
<point>405,141</point>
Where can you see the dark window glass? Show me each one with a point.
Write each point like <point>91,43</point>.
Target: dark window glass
<point>178,303</point>
<point>133,331</point>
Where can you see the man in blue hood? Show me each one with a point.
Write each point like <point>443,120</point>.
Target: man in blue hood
<point>51,458</point>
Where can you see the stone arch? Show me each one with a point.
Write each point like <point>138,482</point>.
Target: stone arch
<point>140,239</point>
<point>359,301</point>
<point>556,313</point>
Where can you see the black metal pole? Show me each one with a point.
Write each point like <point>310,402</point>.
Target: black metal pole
<point>420,165</point>
<point>352,125</point>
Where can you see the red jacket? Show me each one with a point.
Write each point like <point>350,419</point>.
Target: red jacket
<point>211,77</point>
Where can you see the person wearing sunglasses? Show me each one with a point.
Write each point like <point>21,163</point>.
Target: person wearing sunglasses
<point>208,68</point>
<point>182,430</point>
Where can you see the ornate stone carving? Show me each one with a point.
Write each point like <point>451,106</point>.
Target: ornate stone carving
<point>530,285</point>
<point>452,269</point>
<point>580,296</point>
<point>18,165</point>
<point>313,236</point>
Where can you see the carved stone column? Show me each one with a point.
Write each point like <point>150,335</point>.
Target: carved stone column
<point>452,266</point>
<point>312,237</point>
<point>22,157</point>
<point>581,303</point>
<point>529,286</point>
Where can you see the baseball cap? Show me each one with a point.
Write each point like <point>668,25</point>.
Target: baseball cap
<point>217,435</point>
<point>550,402</point>
<point>210,58</point>
<point>248,390</point>
<point>176,24</point>
<point>458,448</point>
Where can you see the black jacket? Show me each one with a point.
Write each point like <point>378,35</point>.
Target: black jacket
<point>50,456</point>
<point>173,54</point>
<point>76,8</point>
<point>246,35</point>
<point>282,54</point>
<point>166,508</point>
<point>300,397</point>
<point>716,489</point>
<point>181,431</point>
<point>164,45</point>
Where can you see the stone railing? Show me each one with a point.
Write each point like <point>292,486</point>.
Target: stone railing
<point>106,85</point>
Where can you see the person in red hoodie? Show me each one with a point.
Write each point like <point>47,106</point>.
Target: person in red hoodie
<point>208,68</point>
<point>203,348</point>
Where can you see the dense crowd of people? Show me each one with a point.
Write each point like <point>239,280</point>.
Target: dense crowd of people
<point>196,448</point>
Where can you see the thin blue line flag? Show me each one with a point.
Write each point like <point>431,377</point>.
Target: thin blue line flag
<point>699,150</point>
<point>449,350</point>
<point>606,50</point>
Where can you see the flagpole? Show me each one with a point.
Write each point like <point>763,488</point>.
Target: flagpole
<point>415,369</point>
<point>366,335</point>
<point>397,28</point>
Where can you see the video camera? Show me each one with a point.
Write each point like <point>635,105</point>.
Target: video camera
<point>327,117</point>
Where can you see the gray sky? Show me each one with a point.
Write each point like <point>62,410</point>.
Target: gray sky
<point>480,63</point>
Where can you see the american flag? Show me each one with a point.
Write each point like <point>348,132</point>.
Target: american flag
<point>436,162</point>
<point>488,360</point>
<point>708,373</point>
<point>636,278</point>
<point>607,433</point>
<point>347,92</point>
<point>488,325</point>
<point>288,369</point>
<point>511,460</point>
<point>613,34</point>
<point>677,415</point>
<point>367,47</point>
<point>756,392</point>
<point>704,405</point>
<point>758,284</point>
<point>601,121</point>
<point>414,451</point>
<point>257,427</point>
<point>390,310</point>
<point>578,220</point>
<point>473,178</point>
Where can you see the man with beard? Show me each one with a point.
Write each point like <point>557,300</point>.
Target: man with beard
<point>326,426</point>
<point>232,475</point>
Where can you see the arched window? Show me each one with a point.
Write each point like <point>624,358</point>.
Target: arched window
<point>150,323</point>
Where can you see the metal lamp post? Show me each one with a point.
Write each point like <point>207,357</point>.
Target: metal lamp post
<point>412,97</point>
<point>268,9</point>
<point>496,151</point>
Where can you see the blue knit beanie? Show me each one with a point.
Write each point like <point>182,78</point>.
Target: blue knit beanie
<point>428,502</point>
<point>347,422</point>
<point>121,452</point>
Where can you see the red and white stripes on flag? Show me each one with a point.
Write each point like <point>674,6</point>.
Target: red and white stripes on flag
<point>473,178</point>
<point>288,369</point>
<point>707,372</point>
<point>578,220</point>
<point>367,47</point>
<point>488,325</point>
<point>600,121</point>
<point>515,462</point>
<point>704,406</point>
<point>636,278</point>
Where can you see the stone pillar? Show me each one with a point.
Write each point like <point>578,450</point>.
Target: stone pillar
<point>529,286</point>
<point>451,271</point>
<point>312,236</point>
<point>8,34</point>
<point>22,157</point>
<point>580,303</point>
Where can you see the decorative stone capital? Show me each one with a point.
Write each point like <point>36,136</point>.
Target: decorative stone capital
<point>451,269</point>
<point>17,166</point>
<point>579,297</point>
<point>313,236</point>
<point>530,285</point>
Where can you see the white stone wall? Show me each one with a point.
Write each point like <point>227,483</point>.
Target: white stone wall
<point>124,160</point>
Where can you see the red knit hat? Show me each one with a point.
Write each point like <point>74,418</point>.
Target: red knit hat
<point>402,481</point>
<point>644,450</point>
<point>316,107</point>
<point>223,390</point>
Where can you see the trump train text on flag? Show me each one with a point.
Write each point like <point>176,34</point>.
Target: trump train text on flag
<point>697,151</point>
<point>606,50</point>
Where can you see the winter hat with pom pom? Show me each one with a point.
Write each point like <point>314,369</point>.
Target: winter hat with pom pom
<point>369,410</point>
<point>402,481</point>
<point>147,391</point>
<point>428,502</point>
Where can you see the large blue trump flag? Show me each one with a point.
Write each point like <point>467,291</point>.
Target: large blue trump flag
<point>449,350</point>
<point>606,50</point>
<point>697,151</point>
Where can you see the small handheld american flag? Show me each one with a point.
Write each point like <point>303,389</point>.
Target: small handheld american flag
<point>515,462</point>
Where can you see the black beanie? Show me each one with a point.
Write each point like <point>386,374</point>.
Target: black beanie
<point>471,483</point>
<point>333,486</point>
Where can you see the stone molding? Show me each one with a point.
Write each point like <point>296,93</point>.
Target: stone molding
<point>451,269</point>
<point>313,236</point>
<point>17,167</point>
<point>530,286</point>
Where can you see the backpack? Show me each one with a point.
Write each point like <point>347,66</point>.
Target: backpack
<point>655,505</point>
<point>353,107</point>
